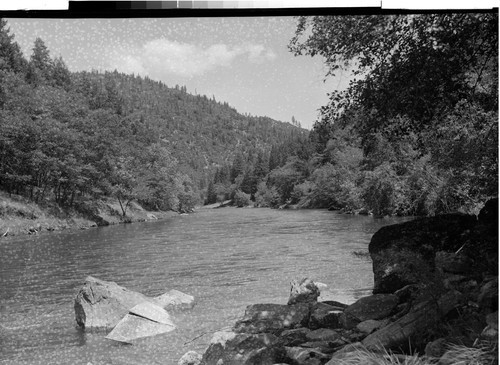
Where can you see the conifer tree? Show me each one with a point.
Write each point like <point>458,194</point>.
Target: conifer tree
<point>11,58</point>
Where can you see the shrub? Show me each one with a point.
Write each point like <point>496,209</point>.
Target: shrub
<point>266,197</point>
<point>241,199</point>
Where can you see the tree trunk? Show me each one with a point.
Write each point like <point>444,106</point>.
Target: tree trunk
<point>124,209</point>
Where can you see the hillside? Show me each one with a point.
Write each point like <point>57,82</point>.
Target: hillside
<point>76,138</point>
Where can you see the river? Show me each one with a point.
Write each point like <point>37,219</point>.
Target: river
<point>226,258</point>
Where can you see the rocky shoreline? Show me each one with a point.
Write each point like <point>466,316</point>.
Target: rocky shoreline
<point>435,294</point>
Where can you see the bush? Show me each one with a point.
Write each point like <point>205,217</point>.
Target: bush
<point>266,197</point>
<point>302,190</point>
<point>379,190</point>
<point>241,199</point>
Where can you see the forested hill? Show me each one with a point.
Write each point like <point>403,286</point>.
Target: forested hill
<point>74,137</point>
<point>199,131</point>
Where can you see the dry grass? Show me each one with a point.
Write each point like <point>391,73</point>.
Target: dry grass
<point>455,355</point>
<point>485,354</point>
<point>20,216</point>
<point>364,356</point>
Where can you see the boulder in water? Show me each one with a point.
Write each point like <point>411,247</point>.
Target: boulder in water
<point>102,304</point>
<point>304,291</point>
<point>144,320</point>
<point>190,358</point>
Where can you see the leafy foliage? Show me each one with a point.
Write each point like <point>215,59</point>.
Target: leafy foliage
<point>416,131</point>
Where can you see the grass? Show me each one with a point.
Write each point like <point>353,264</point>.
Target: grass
<point>485,354</point>
<point>20,216</point>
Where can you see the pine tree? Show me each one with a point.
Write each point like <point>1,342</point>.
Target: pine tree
<point>211,194</point>
<point>238,166</point>
<point>261,166</point>
<point>11,57</point>
<point>40,66</point>
<point>60,74</point>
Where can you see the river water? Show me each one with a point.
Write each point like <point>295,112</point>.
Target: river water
<point>226,258</point>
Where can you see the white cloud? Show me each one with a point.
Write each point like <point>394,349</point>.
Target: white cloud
<point>162,56</point>
<point>130,64</point>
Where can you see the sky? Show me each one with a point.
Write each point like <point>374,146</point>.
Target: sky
<point>240,60</point>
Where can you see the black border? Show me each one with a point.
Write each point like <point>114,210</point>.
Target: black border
<point>130,9</point>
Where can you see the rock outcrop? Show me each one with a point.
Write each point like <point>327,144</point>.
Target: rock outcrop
<point>101,304</point>
<point>273,318</point>
<point>404,253</point>
<point>243,349</point>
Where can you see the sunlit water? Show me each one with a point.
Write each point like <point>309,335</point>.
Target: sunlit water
<point>227,258</point>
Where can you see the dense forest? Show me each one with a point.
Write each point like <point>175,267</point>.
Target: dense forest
<point>415,133</point>
<point>71,138</point>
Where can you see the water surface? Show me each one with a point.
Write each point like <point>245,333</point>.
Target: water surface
<point>227,258</point>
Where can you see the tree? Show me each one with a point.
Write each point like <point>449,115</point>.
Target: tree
<point>423,93</point>
<point>211,193</point>
<point>414,65</point>
<point>40,66</point>
<point>60,74</point>
<point>11,57</point>
<point>262,165</point>
<point>238,166</point>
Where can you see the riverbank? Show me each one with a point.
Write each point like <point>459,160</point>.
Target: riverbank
<point>20,216</point>
<point>435,300</point>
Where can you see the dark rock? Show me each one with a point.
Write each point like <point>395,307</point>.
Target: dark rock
<point>371,325</point>
<point>461,283</point>
<point>294,337</point>
<point>344,352</point>
<point>436,348</point>
<point>243,349</point>
<point>324,316</point>
<point>482,243</point>
<point>404,253</point>
<point>273,318</point>
<point>304,291</point>
<point>453,263</point>
<point>326,347</point>
<point>337,305</point>
<point>488,216</point>
<point>323,334</point>
<point>375,306</point>
<point>303,356</point>
<point>488,296</point>
<point>490,332</point>
<point>407,293</point>
<point>417,321</point>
